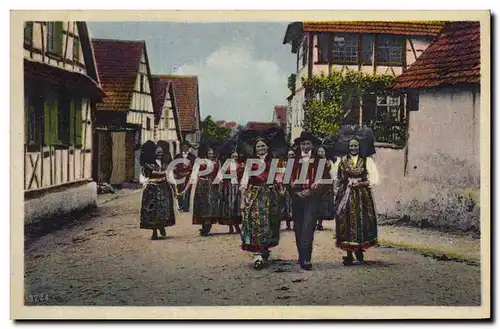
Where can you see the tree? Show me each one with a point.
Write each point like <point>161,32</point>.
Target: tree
<point>210,130</point>
<point>325,110</point>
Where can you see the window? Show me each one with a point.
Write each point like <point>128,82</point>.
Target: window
<point>64,118</point>
<point>323,47</point>
<point>367,49</point>
<point>388,108</point>
<point>167,123</point>
<point>34,108</point>
<point>28,33</point>
<point>345,48</point>
<point>141,78</point>
<point>148,123</point>
<point>54,37</point>
<point>302,53</point>
<point>390,49</point>
<point>76,49</point>
<point>77,119</point>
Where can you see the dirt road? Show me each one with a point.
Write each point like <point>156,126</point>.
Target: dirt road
<point>108,261</point>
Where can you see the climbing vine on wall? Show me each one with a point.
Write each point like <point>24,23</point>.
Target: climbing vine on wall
<point>324,111</point>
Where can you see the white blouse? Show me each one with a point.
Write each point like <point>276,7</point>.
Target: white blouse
<point>371,168</point>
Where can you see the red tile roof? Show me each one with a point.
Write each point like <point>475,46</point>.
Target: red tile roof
<point>231,124</point>
<point>117,65</point>
<point>259,126</point>
<point>454,58</point>
<point>160,85</point>
<point>280,114</point>
<point>379,27</point>
<point>187,99</point>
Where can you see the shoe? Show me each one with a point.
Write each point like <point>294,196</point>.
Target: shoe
<point>266,254</point>
<point>258,263</point>
<point>347,261</point>
<point>306,266</point>
<point>155,235</point>
<point>163,232</point>
<point>359,256</point>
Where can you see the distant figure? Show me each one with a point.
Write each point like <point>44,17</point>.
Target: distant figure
<point>206,203</point>
<point>231,196</point>
<point>327,201</point>
<point>356,224</point>
<point>157,210</point>
<point>286,200</point>
<point>184,171</point>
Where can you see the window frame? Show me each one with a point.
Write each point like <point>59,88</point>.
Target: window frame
<point>76,49</point>
<point>28,26</point>
<point>355,36</point>
<point>388,61</point>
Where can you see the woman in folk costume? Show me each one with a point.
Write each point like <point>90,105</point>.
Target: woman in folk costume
<point>260,207</point>
<point>326,201</point>
<point>184,171</point>
<point>206,204</point>
<point>287,197</point>
<point>157,210</point>
<point>230,195</point>
<point>356,224</point>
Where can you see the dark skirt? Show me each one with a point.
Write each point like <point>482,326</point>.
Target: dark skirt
<point>260,228</point>
<point>230,204</point>
<point>326,207</point>
<point>206,204</point>
<point>356,227</point>
<point>157,207</point>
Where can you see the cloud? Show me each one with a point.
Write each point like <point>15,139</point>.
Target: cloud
<point>236,86</point>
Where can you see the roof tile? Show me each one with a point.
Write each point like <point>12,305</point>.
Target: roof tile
<point>117,65</point>
<point>454,58</point>
<point>377,27</point>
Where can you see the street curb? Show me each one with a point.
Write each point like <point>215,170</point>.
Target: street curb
<point>432,252</point>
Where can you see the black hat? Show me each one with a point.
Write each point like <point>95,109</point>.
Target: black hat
<point>306,136</point>
<point>185,143</point>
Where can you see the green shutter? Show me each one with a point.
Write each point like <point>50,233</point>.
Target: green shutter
<point>47,129</point>
<point>58,37</point>
<point>50,120</point>
<point>26,120</point>
<point>71,122</point>
<point>28,32</point>
<point>78,123</point>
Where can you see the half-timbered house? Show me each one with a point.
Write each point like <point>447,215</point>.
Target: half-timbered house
<point>365,46</point>
<point>125,119</point>
<point>167,127</point>
<point>188,105</point>
<point>61,88</point>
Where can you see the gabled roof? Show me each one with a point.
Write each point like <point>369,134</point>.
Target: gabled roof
<point>454,58</point>
<point>117,64</point>
<point>280,113</point>
<point>160,85</point>
<point>187,98</point>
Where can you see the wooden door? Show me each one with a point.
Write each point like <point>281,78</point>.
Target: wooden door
<point>118,175</point>
<point>104,156</point>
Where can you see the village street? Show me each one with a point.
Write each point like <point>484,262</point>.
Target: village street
<point>108,261</point>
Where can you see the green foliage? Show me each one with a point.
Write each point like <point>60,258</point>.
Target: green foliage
<point>324,111</point>
<point>210,130</point>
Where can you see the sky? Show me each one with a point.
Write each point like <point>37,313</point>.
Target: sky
<point>242,68</point>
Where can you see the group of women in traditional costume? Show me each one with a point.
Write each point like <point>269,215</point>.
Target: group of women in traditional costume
<point>232,197</point>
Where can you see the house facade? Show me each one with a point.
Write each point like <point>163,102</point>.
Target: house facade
<point>369,47</point>
<point>280,117</point>
<point>125,119</point>
<point>61,88</point>
<point>167,126</point>
<point>188,106</point>
<point>444,118</point>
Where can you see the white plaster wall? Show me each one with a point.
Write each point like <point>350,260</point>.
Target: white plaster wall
<point>59,203</point>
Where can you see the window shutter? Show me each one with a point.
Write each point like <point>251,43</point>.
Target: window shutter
<point>54,116</point>
<point>58,37</point>
<point>72,121</point>
<point>26,120</point>
<point>47,119</point>
<point>78,122</point>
